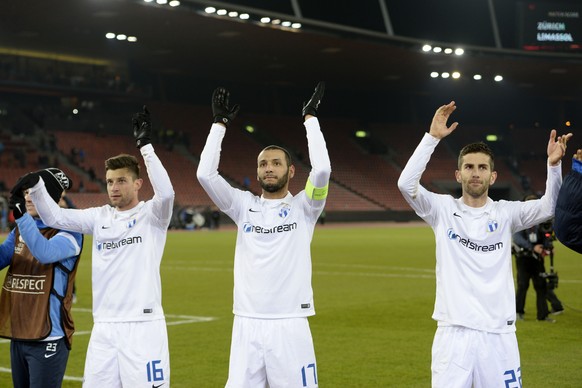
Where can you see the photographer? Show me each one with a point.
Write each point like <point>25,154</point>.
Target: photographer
<point>530,247</point>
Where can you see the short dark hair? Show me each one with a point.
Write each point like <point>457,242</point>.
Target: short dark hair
<point>123,161</point>
<point>475,148</point>
<point>287,154</point>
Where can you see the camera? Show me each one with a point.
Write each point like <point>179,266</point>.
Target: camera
<point>547,235</point>
<point>547,238</point>
<point>551,278</point>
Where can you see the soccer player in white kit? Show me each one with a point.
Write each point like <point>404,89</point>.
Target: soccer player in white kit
<point>271,340</point>
<point>475,343</point>
<point>129,341</point>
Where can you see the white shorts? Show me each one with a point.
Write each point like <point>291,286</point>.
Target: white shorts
<point>128,354</point>
<point>463,357</point>
<point>271,353</point>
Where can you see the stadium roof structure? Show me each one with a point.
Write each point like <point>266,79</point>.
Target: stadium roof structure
<point>186,40</point>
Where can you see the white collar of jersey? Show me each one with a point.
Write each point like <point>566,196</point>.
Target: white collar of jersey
<point>129,212</point>
<point>475,210</point>
<point>275,202</point>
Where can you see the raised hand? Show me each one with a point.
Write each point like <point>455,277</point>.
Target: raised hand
<point>438,127</point>
<point>142,127</point>
<point>24,182</point>
<point>310,107</point>
<point>18,205</point>
<point>221,110</point>
<point>557,147</point>
<point>17,202</point>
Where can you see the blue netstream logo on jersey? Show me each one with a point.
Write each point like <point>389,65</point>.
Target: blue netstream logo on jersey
<point>250,228</point>
<point>120,243</point>
<point>473,245</point>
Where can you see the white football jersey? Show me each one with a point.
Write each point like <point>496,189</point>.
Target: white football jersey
<point>127,246</point>
<point>474,279</point>
<point>272,264</point>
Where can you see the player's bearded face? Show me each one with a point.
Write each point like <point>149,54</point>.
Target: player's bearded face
<point>122,188</point>
<point>271,186</point>
<point>475,175</point>
<point>476,188</point>
<point>273,172</point>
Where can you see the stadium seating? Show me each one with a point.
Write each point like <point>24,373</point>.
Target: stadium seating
<point>361,180</point>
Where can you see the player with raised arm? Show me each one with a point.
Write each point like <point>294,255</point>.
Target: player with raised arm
<point>271,340</point>
<point>129,340</point>
<point>36,300</point>
<point>475,343</point>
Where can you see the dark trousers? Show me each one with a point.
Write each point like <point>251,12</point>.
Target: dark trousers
<point>529,267</point>
<point>38,364</point>
<point>554,301</point>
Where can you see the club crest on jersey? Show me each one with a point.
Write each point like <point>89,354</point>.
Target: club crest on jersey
<point>131,223</point>
<point>492,226</point>
<point>285,210</point>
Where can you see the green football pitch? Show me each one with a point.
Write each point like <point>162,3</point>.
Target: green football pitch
<point>374,293</point>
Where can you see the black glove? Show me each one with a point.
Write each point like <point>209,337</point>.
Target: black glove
<point>23,183</point>
<point>18,205</point>
<point>142,127</point>
<point>220,109</point>
<point>310,107</point>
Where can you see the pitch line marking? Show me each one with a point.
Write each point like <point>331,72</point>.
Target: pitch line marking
<point>182,320</point>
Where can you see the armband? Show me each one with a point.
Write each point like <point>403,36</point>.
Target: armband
<point>316,193</point>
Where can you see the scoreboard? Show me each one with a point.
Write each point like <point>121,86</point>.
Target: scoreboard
<point>545,26</point>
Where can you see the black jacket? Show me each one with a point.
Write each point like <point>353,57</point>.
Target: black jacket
<point>568,220</point>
